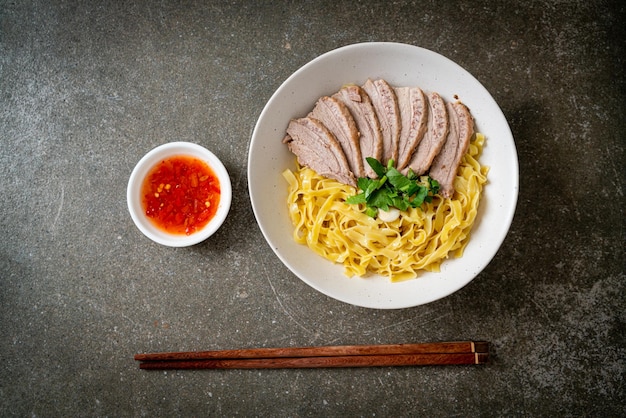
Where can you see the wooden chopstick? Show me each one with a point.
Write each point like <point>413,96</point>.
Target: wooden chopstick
<point>316,362</point>
<point>444,353</point>
<point>323,351</point>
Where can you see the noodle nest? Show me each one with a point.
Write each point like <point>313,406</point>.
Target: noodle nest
<point>419,240</point>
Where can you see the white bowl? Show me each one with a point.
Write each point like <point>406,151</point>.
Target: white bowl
<point>401,65</point>
<point>133,193</point>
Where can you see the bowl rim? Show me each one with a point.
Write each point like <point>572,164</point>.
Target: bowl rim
<point>147,162</point>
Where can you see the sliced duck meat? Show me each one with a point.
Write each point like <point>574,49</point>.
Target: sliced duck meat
<point>385,103</point>
<point>413,106</point>
<point>434,138</point>
<point>335,116</point>
<point>316,147</point>
<point>446,163</point>
<point>364,114</point>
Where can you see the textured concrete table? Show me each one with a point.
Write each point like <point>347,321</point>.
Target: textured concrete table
<point>86,88</point>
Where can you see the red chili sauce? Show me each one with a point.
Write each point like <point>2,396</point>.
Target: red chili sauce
<point>180,195</point>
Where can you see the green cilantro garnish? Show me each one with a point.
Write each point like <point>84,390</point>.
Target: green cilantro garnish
<point>393,189</point>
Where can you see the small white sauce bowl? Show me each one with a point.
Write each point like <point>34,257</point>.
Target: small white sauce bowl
<point>141,170</point>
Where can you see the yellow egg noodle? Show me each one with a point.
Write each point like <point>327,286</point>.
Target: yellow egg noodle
<point>420,239</point>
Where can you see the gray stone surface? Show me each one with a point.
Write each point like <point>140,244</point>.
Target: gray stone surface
<point>86,88</point>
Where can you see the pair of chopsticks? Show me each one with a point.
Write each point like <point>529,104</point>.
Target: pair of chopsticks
<point>420,354</point>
